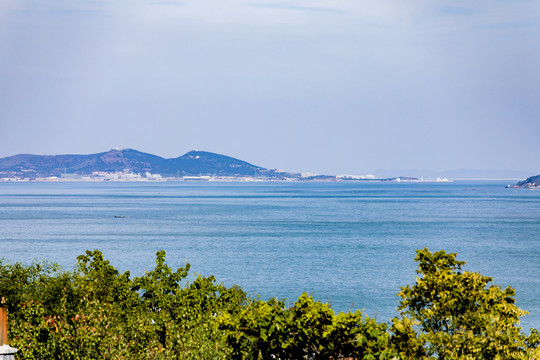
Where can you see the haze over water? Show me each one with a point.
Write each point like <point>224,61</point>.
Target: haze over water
<point>351,244</point>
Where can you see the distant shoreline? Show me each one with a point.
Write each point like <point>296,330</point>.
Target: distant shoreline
<point>227,179</point>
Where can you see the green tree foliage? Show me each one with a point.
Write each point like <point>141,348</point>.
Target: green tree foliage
<point>360,337</point>
<point>97,312</point>
<point>42,282</point>
<point>461,316</point>
<point>98,281</point>
<point>307,330</point>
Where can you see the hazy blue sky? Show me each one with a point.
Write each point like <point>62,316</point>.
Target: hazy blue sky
<point>341,86</point>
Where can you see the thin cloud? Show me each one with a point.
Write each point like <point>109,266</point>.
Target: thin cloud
<point>287,6</point>
<point>511,25</point>
<point>85,12</point>
<point>170,3</point>
<point>456,10</point>
<point>88,8</point>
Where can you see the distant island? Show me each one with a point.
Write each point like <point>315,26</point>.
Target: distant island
<point>531,182</point>
<point>132,165</point>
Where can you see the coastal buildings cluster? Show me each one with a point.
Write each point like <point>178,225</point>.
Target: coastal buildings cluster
<point>127,175</point>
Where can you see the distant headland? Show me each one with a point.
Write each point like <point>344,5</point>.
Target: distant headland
<point>132,165</point>
<point>532,182</point>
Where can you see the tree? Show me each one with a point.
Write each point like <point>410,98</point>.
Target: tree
<point>96,312</point>
<point>459,315</point>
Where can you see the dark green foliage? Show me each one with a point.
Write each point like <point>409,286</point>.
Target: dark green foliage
<point>39,282</point>
<point>98,281</point>
<point>307,330</point>
<point>98,313</point>
<point>159,287</point>
<point>360,337</point>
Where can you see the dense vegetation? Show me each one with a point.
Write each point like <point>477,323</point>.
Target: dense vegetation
<point>96,312</point>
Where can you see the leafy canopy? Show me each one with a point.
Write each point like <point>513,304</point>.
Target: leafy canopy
<point>461,315</point>
<point>96,312</point>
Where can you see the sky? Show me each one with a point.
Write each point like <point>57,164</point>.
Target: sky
<point>329,87</point>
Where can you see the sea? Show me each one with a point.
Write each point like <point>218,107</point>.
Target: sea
<point>349,244</point>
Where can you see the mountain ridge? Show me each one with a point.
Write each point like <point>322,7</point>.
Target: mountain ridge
<point>192,163</point>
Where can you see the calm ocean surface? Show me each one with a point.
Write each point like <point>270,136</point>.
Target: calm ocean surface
<point>350,244</point>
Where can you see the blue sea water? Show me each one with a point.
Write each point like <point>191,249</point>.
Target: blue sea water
<point>351,244</point>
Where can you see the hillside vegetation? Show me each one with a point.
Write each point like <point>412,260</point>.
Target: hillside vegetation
<point>96,312</point>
